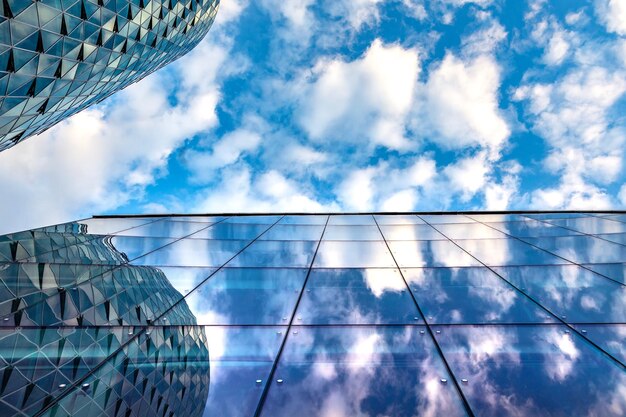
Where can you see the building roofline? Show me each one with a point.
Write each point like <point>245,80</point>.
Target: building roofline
<point>106,216</point>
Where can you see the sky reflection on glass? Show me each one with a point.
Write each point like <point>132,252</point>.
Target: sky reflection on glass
<point>214,315</point>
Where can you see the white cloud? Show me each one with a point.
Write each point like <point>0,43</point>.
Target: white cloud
<point>468,175</point>
<point>404,200</point>
<point>557,49</point>
<point>613,14</point>
<point>415,8</point>
<point>225,152</point>
<point>300,22</point>
<point>105,156</point>
<point>356,192</point>
<point>241,191</point>
<point>357,12</point>
<point>484,41</point>
<point>366,98</point>
<point>458,106</point>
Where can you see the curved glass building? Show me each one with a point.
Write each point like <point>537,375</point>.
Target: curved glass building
<point>80,335</point>
<point>58,57</point>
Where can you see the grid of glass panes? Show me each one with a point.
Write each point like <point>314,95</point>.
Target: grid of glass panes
<point>332,315</point>
<point>57,57</point>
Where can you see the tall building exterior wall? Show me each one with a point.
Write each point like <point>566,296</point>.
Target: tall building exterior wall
<point>471,314</point>
<point>58,57</point>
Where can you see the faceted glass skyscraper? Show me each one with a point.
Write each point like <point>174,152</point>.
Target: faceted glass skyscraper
<point>58,57</point>
<point>472,314</point>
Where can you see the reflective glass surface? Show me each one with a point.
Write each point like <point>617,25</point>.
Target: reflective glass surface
<point>430,253</point>
<point>333,254</point>
<point>294,232</point>
<point>582,249</point>
<point>496,252</point>
<point>351,220</point>
<point>411,232</point>
<point>470,295</point>
<point>247,296</point>
<point>469,231</point>
<point>531,228</point>
<point>362,371</point>
<point>343,232</point>
<point>165,228</point>
<point>592,225</point>
<point>356,296</point>
<point>290,315</point>
<point>397,219</point>
<point>532,371</point>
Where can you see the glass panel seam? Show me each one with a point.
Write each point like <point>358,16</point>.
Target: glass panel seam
<point>466,404</point>
<point>270,378</point>
<point>565,259</point>
<point>558,318</point>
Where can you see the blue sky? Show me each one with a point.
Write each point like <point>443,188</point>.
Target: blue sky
<point>352,105</point>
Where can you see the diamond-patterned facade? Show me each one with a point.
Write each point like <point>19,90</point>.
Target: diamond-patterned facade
<point>58,57</point>
<point>78,339</point>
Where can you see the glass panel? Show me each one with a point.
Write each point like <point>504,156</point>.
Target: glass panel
<point>470,295</point>
<point>247,296</point>
<point>277,253</point>
<point>571,292</point>
<point>616,272</point>
<point>532,371</point>
<point>347,220</point>
<point>164,228</point>
<point>411,232</point>
<point>469,231</point>
<point>194,252</point>
<point>231,231</point>
<point>582,249</point>
<point>240,356</point>
<point>508,252</point>
<point>294,232</point>
<point>557,215</point>
<point>334,254</point>
<point>610,337</point>
<point>352,233</point>
<point>497,217</point>
<point>616,217</point>
<point>268,220</point>
<point>532,228</point>
<point>592,225</point>
<point>430,253</point>
<point>445,218</point>
<point>304,219</point>
<point>615,237</point>
<point>398,219</point>
<point>356,296</point>
<point>361,371</point>
<point>108,250</point>
<point>196,219</point>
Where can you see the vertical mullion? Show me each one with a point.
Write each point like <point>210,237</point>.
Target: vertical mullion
<point>270,377</point>
<point>557,317</point>
<point>466,405</point>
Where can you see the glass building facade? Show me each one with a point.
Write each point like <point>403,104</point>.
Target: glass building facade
<point>477,314</point>
<point>58,57</point>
